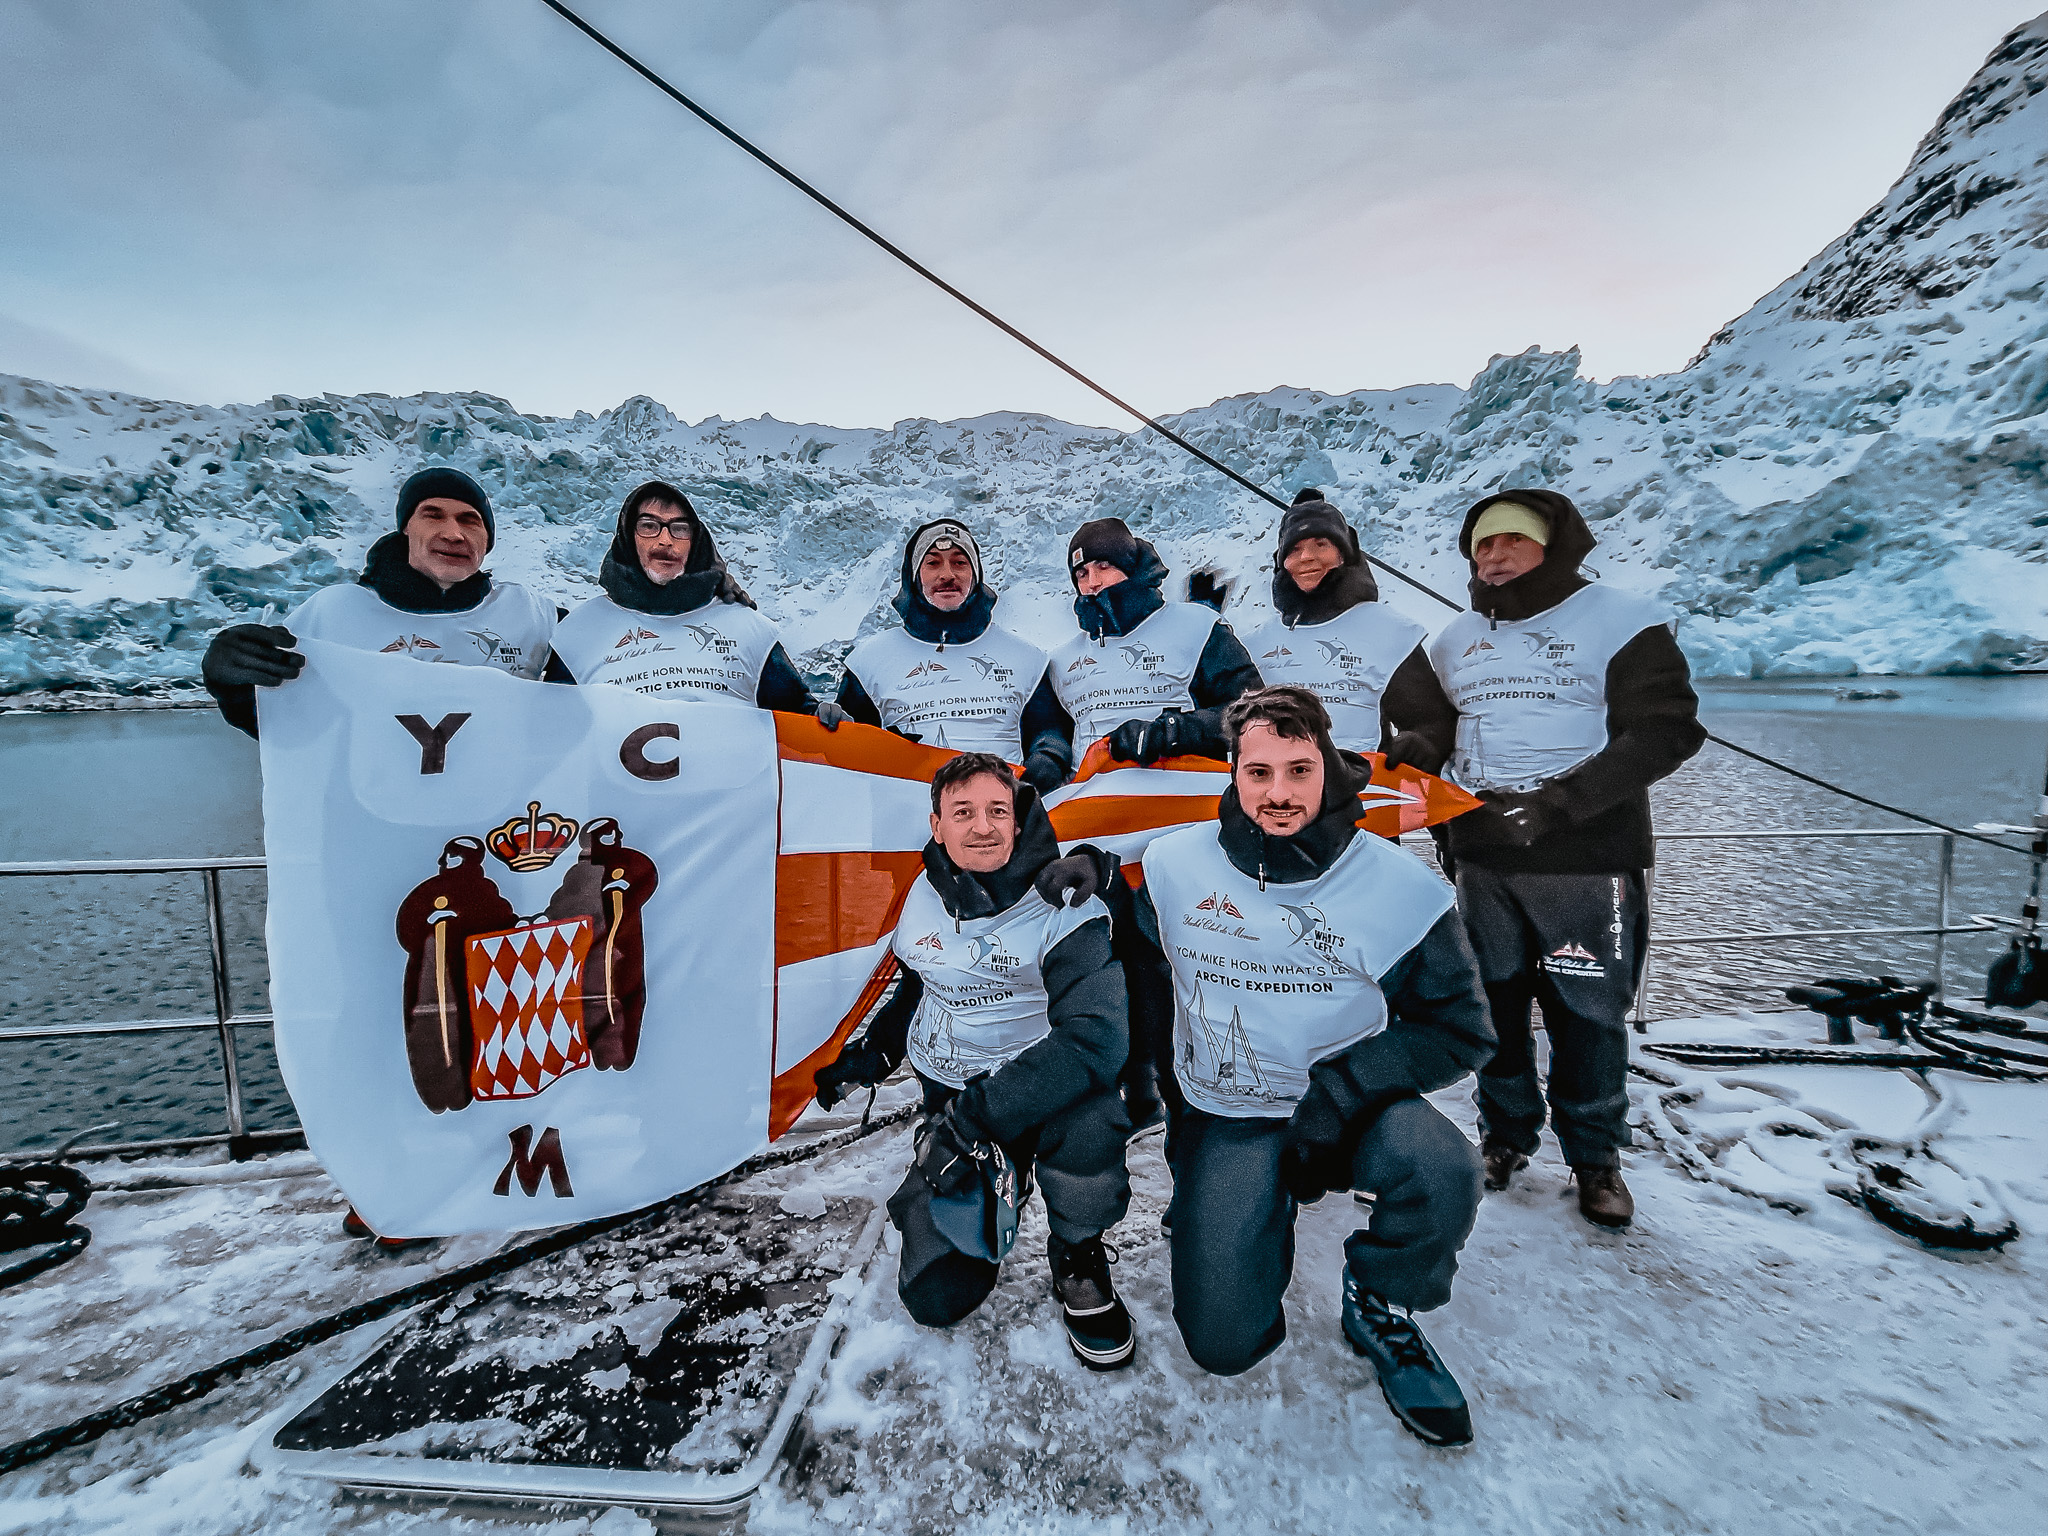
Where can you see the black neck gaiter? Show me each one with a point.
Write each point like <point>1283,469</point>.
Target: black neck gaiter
<point>1311,851</point>
<point>1339,592</point>
<point>388,573</point>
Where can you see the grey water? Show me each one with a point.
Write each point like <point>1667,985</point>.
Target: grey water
<point>180,783</point>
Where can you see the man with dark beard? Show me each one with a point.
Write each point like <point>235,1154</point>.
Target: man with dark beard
<point>672,622</point>
<point>1572,698</point>
<point>423,593</point>
<point>1332,635</point>
<point>949,676</point>
<point>1012,1011</point>
<point>1322,985</point>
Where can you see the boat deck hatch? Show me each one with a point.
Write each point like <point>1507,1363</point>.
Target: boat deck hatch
<point>662,1365</point>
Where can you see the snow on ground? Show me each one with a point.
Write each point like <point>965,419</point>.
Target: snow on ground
<point>1849,478</point>
<point>1724,1366</point>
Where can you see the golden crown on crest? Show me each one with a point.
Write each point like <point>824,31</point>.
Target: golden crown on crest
<point>533,841</point>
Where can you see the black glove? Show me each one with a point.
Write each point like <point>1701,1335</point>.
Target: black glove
<point>1127,741</point>
<point>860,1065</point>
<point>1045,771</point>
<point>730,591</point>
<point>1080,875</point>
<point>1316,1157</point>
<point>243,655</point>
<point>1517,818</point>
<point>946,1153</point>
<point>1173,734</point>
<point>831,716</point>
<point>1414,750</point>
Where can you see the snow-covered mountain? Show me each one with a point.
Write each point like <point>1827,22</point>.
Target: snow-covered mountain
<point>1851,477</point>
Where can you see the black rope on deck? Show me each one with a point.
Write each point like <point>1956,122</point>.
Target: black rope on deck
<point>200,1383</point>
<point>867,231</point>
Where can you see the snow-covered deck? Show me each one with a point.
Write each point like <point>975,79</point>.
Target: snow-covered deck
<point>1725,1365</point>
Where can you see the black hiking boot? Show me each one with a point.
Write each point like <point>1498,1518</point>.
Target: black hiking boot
<point>1423,1395</point>
<point>1503,1162</point>
<point>1098,1326</point>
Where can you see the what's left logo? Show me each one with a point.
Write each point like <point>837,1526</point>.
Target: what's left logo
<point>501,1006</point>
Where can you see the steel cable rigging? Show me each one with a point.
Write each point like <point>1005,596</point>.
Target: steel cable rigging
<point>861,227</point>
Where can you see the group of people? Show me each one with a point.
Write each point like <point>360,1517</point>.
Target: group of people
<point>1280,992</point>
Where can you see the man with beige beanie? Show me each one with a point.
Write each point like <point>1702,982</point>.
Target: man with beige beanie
<point>1572,698</point>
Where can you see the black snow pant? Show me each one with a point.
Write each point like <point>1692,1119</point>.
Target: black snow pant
<point>1078,1159</point>
<point>1574,945</point>
<point>1233,1224</point>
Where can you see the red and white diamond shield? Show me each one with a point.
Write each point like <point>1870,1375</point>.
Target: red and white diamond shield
<point>526,1007</point>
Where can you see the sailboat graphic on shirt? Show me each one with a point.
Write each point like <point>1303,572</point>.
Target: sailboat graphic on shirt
<point>941,1050</point>
<point>1221,1061</point>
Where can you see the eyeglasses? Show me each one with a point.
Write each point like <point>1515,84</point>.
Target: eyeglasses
<point>654,528</point>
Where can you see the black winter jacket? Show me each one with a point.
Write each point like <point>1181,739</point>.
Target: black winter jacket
<point>1084,986</point>
<point>705,579</point>
<point>1413,700</point>
<point>1601,808</point>
<point>1041,727</point>
<point>1438,1028</point>
<point>1224,670</point>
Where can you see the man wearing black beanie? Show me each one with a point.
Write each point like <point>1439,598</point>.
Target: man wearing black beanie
<point>1332,635</point>
<point>1150,676</point>
<point>1153,678</point>
<point>423,593</point>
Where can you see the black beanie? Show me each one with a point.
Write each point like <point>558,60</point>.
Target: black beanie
<point>453,484</point>
<point>1311,517</point>
<point>1108,539</point>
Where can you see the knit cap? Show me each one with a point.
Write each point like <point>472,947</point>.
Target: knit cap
<point>449,484</point>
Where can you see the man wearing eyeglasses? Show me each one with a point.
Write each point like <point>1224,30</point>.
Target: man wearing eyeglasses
<point>673,623</point>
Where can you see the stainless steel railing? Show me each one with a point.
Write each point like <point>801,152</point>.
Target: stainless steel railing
<point>224,1021</point>
<point>1944,892</point>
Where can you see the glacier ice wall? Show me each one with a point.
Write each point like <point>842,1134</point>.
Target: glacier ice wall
<point>1848,478</point>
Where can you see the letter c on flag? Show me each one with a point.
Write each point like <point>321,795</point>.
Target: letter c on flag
<point>633,752</point>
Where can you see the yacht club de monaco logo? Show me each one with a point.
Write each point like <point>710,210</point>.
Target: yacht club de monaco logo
<point>637,641</point>
<point>498,1005</point>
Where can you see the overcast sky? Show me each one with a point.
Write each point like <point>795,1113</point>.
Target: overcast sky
<point>221,200</point>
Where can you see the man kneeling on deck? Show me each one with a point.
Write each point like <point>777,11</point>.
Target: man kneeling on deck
<point>1015,1020</point>
<point>1322,985</point>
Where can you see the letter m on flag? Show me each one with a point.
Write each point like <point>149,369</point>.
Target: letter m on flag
<point>527,1167</point>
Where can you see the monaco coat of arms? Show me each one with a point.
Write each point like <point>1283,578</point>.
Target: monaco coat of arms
<point>501,1006</point>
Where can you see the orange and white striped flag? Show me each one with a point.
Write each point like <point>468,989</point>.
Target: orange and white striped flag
<point>855,819</point>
